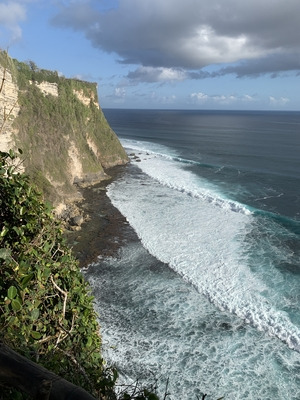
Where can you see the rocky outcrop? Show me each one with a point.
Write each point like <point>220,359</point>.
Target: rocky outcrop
<point>60,127</point>
<point>9,108</point>
<point>47,88</point>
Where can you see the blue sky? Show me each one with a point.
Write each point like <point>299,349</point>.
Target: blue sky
<point>191,54</point>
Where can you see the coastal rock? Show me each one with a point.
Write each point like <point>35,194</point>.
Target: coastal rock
<point>77,220</point>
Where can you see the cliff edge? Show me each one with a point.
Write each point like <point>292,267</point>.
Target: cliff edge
<point>60,127</point>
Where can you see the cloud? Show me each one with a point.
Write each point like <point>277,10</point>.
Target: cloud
<point>118,96</point>
<point>120,92</point>
<point>77,14</point>
<point>203,98</point>
<point>199,97</point>
<point>160,74</point>
<point>273,64</point>
<point>257,37</point>
<point>280,101</point>
<point>11,14</point>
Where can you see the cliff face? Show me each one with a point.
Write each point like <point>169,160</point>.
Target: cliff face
<point>59,126</point>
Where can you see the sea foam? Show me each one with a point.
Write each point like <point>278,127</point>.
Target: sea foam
<point>182,221</point>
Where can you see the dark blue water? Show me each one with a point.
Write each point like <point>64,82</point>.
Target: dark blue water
<point>210,298</point>
<point>258,151</point>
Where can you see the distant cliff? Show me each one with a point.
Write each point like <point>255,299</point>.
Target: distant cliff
<point>59,126</point>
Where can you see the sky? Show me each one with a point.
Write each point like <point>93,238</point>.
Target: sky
<point>165,54</point>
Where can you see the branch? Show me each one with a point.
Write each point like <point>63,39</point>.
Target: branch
<point>3,79</point>
<point>62,292</point>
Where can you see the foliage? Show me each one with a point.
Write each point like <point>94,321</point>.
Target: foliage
<point>30,72</point>
<point>46,311</point>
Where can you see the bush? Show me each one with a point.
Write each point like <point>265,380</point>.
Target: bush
<point>46,310</point>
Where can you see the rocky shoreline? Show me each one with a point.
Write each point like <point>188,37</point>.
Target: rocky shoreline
<point>103,229</point>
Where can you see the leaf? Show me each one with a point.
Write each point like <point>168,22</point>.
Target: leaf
<point>47,247</point>
<point>5,254</point>
<point>11,154</point>
<point>18,231</point>
<point>16,304</point>
<point>116,374</point>
<point>36,335</point>
<point>4,231</point>
<point>12,292</point>
<point>46,273</point>
<point>35,314</point>
<point>26,279</point>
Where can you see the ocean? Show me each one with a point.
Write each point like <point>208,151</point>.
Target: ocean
<point>209,299</point>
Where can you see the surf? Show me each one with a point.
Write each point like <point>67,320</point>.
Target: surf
<point>184,222</point>
<point>167,170</point>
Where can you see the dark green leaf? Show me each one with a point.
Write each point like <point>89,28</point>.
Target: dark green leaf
<point>26,279</point>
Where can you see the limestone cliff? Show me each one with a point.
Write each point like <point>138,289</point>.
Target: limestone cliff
<point>59,126</point>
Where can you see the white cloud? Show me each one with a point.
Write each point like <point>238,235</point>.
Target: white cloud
<point>247,98</point>
<point>11,14</point>
<point>118,96</point>
<point>200,97</point>
<point>221,99</point>
<point>120,92</point>
<point>279,101</point>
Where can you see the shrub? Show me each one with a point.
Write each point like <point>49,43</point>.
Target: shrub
<point>46,311</point>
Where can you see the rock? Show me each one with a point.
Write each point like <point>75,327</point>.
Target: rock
<point>77,220</point>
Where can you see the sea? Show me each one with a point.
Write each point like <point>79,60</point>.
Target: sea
<point>207,301</point>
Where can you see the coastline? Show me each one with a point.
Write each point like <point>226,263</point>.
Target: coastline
<point>104,229</point>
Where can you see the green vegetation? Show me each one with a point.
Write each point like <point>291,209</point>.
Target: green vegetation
<point>46,309</point>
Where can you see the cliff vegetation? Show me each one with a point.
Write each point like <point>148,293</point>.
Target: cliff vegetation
<point>59,126</point>
<point>46,310</point>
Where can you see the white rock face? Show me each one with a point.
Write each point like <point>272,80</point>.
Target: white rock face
<point>75,162</point>
<point>48,88</point>
<point>9,109</point>
<point>85,99</point>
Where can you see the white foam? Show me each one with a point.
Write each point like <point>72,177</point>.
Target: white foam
<point>154,322</point>
<point>201,240</point>
<point>167,168</point>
